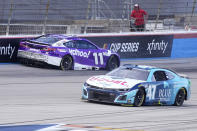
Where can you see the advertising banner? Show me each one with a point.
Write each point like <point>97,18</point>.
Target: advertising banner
<point>136,46</point>
<point>147,46</point>
<point>9,49</point>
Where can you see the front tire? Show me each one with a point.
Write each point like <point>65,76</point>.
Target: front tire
<point>180,97</point>
<point>139,98</point>
<point>112,63</point>
<point>66,63</point>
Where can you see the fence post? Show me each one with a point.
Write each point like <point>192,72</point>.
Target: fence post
<point>193,9</point>
<point>9,19</point>
<point>158,14</point>
<point>46,17</point>
<point>129,8</point>
<point>87,17</point>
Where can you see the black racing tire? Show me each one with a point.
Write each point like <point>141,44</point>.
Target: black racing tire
<point>66,63</point>
<point>26,62</point>
<point>21,60</point>
<point>112,63</point>
<point>180,97</point>
<point>29,63</point>
<point>139,98</point>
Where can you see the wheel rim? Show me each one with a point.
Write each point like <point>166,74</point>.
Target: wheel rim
<point>139,98</point>
<point>180,97</point>
<point>67,63</point>
<point>113,64</point>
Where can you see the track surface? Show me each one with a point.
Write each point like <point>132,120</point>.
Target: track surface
<point>31,95</point>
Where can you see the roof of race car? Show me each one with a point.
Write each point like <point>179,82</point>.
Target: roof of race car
<point>145,67</point>
<point>61,36</point>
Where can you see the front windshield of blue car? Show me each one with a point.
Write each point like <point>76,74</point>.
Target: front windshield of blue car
<point>47,39</point>
<point>131,73</point>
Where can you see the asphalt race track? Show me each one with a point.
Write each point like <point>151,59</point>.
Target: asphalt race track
<point>33,96</point>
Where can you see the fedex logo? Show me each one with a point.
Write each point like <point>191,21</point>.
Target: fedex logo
<point>123,83</point>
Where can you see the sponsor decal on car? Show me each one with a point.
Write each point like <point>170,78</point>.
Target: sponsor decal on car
<point>35,50</point>
<point>165,93</point>
<point>108,53</point>
<point>79,53</point>
<point>100,79</point>
<point>61,50</point>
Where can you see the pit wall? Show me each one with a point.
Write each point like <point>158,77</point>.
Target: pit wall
<point>129,46</point>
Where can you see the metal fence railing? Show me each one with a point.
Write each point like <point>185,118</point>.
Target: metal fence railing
<point>35,17</point>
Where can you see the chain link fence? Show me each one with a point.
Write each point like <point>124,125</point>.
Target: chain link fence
<point>36,17</point>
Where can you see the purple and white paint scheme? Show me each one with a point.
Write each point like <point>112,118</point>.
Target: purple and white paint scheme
<point>67,52</point>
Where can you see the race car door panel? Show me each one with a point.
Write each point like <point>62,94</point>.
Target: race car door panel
<point>159,90</point>
<point>93,56</point>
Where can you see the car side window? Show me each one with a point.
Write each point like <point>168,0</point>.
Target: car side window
<point>70,44</point>
<point>91,46</point>
<point>169,75</point>
<point>83,44</point>
<point>160,76</point>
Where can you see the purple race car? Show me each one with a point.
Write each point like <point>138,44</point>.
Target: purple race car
<point>67,52</point>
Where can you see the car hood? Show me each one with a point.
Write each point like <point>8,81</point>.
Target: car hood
<point>112,82</point>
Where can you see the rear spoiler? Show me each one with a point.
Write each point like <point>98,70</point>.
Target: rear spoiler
<point>25,39</point>
<point>38,43</point>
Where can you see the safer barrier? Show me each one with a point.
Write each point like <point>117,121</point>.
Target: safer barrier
<point>129,46</point>
<point>184,48</point>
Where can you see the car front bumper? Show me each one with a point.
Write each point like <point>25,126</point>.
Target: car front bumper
<point>108,96</point>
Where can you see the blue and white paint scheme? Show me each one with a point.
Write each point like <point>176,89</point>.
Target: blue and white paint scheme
<point>138,85</point>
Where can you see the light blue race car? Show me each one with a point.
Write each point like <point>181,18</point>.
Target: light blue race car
<point>138,85</point>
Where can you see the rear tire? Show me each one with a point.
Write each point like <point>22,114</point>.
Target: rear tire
<point>180,97</point>
<point>66,63</point>
<point>112,63</point>
<point>26,62</point>
<point>139,98</point>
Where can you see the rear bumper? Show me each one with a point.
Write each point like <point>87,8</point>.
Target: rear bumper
<point>32,55</point>
<point>52,60</point>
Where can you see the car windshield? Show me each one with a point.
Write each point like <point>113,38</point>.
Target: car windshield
<point>132,73</point>
<point>47,39</point>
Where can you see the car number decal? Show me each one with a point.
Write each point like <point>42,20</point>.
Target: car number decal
<point>151,92</point>
<point>96,55</point>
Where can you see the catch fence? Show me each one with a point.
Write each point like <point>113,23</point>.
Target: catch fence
<point>36,17</point>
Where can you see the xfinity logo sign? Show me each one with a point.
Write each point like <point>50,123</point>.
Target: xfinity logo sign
<point>157,46</point>
<point>7,50</point>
